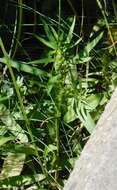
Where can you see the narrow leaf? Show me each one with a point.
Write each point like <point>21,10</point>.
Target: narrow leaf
<point>41,61</point>
<point>71,30</point>
<point>25,68</point>
<point>48,32</point>
<point>93,43</point>
<point>49,44</point>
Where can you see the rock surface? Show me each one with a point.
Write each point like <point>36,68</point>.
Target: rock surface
<point>96,168</point>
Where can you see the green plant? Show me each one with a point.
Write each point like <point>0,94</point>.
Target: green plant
<point>49,106</point>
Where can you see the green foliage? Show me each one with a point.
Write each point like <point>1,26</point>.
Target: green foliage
<point>50,106</point>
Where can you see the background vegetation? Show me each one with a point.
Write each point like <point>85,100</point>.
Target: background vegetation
<point>55,81</point>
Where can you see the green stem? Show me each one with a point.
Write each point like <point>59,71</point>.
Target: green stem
<point>107,25</point>
<point>20,3</point>
<point>59,20</point>
<point>58,146</point>
<point>57,119</point>
<point>22,107</point>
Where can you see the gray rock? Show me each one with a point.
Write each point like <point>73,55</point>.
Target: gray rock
<point>96,168</point>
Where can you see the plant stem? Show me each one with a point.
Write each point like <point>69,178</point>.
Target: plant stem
<point>58,146</point>
<point>107,25</point>
<point>22,106</point>
<point>57,119</point>
<point>20,4</point>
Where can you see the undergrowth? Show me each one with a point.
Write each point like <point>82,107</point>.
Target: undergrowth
<point>49,106</point>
